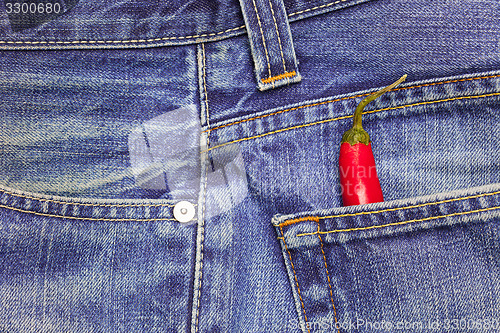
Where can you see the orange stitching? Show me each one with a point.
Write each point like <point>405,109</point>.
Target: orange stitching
<point>344,117</point>
<point>433,102</point>
<point>295,276</point>
<point>300,219</point>
<point>328,277</point>
<point>350,97</point>
<point>450,81</point>
<point>82,218</point>
<point>288,222</point>
<point>400,223</point>
<point>279,77</point>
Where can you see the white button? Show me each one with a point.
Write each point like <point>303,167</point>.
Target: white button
<point>184,211</point>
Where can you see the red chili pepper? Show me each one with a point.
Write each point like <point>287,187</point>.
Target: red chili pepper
<point>358,175</point>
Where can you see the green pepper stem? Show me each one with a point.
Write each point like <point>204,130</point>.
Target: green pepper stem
<point>359,109</point>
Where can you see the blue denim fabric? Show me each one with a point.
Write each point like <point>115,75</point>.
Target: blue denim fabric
<point>271,43</point>
<point>115,111</point>
<point>418,265</point>
<point>143,24</point>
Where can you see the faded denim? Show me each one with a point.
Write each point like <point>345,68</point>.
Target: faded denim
<point>115,111</point>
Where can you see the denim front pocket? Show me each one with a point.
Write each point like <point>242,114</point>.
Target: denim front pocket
<point>416,265</point>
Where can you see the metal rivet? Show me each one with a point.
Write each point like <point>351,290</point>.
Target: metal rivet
<point>184,211</point>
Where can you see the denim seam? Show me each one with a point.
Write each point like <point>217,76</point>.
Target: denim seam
<point>351,97</point>
<point>159,38</point>
<point>263,38</point>
<point>279,131</point>
<point>202,242</point>
<point>278,35</point>
<point>295,277</point>
<point>82,218</point>
<point>87,205</point>
<point>201,226</point>
<point>327,274</point>
<point>400,223</point>
<point>350,116</point>
<point>309,218</point>
<point>205,86</point>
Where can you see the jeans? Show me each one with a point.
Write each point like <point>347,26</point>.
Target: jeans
<point>114,113</point>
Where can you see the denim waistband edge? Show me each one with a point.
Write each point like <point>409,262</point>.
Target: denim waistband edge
<point>46,43</point>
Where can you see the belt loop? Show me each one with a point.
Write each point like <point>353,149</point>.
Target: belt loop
<point>271,43</point>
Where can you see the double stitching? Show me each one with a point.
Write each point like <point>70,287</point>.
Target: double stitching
<point>269,47</point>
<point>84,204</point>
<point>316,218</point>
<point>278,35</point>
<point>400,223</point>
<point>286,74</point>
<point>202,222</point>
<point>83,218</point>
<point>327,275</point>
<point>350,97</point>
<point>319,233</point>
<point>295,277</point>
<point>309,218</point>
<point>263,38</point>
<point>345,117</point>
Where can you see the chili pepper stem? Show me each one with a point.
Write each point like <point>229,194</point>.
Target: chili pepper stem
<point>357,133</point>
<point>359,109</point>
